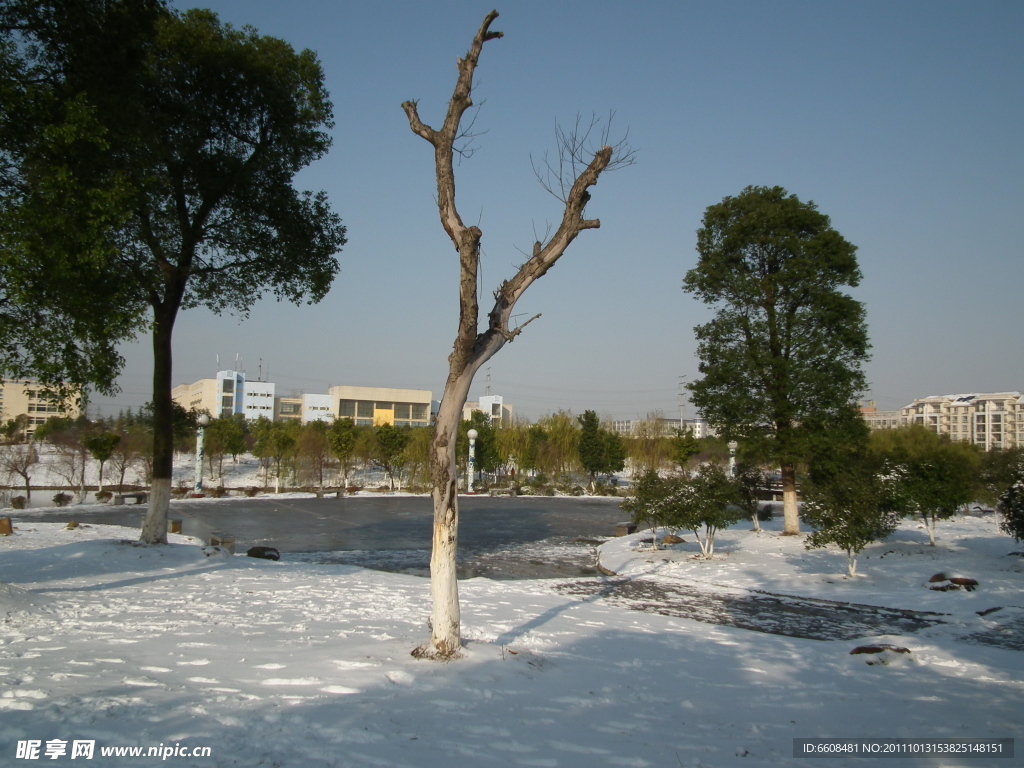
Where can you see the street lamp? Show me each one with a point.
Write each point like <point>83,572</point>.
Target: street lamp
<point>471,463</point>
<point>202,421</point>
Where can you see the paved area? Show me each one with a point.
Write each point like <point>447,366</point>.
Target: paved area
<point>803,617</point>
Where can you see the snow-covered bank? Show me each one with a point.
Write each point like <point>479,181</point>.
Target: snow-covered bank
<point>292,664</point>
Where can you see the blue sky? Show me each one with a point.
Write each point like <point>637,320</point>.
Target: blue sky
<point>902,121</point>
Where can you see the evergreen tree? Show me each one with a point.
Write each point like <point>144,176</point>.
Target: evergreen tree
<point>782,358</point>
<point>851,508</point>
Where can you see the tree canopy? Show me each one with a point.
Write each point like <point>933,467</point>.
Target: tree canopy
<point>781,359</point>
<point>187,134</point>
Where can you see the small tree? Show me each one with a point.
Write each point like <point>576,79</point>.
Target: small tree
<point>1011,504</point>
<point>101,448</point>
<point>17,461</point>
<point>751,480</point>
<point>647,506</point>
<point>600,450</point>
<point>341,436</point>
<point>932,476</point>
<point>684,446</point>
<point>312,450</point>
<point>388,449</point>
<point>851,509</point>
<point>706,500</point>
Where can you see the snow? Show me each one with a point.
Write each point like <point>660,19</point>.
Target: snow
<point>301,664</point>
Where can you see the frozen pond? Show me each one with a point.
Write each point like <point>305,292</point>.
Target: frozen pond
<point>500,538</point>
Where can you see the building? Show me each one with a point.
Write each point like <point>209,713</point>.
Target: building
<point>259,400</point>
<point>634,427</point>
<point>991,420</point>
<point>373,406</point>
<point>221,397</point>
<point>25,397</point>
<point>877,419</point>
<point>494,406</point>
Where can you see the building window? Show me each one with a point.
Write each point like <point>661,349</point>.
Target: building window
<point>420,412</point>
<point>402,411</point>
<point>365,411</point>
<point>229,386</point>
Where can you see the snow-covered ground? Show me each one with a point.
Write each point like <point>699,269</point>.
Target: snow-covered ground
<point>296,664</point>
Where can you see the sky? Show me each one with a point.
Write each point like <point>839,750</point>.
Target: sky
<point>901,121</point>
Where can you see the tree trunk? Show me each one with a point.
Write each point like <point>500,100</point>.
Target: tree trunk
<point>790,512</point>
<point>445,624</point>
<point>851,563</point>
<point>154,528</point>
<point>472,347</point>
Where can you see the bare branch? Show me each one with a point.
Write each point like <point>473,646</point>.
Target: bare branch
<point>575,149</point>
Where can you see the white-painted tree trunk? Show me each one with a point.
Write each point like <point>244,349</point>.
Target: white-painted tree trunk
<point>154,528</point>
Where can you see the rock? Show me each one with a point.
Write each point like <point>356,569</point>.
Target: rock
<point>6,529</point>
<point>881,654</point>
<point>72,525</point>
<point>880,648</point>
<point>265,553</point>
<point>937,578</point>
<point>673,539</point>
<point>987,611</point>
<point>969,584</point>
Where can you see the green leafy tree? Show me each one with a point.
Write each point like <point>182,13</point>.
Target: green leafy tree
<point>222,437</point>
<point>486,455</point>
<point>751,481</point>
<point>647,504</point>
<point>851,508</point>
<point>65,301</point>
<point>417,455</point>
<point>933,477</point>
<point>684,447</point>
<point>707,501</point>
<point>275,442</point>
<point>198,134</point>
<point>101,447</point>
<point>1011,504</point>
<point>600,450</point>
<point>783,354</point>
<point>388,449</point>
<point>341,436</point>
<point>312,451</point>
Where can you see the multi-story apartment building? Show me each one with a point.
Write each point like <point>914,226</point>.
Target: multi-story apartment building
<point>989,420</point>
<point>24,397</point>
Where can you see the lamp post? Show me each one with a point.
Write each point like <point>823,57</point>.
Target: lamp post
<point>471,463</point>
<point>202,421</point>
<point>732,458</point>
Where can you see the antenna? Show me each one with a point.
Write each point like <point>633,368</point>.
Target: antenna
<point>682,400</point>
<point>487,391</point>
<point>259,376</point>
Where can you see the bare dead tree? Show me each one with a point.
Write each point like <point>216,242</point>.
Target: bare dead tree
<point>473,346</point>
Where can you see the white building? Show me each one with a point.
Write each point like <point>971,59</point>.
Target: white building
<point>986,419</point>
<point>318,408</point>
<point>494,406</point>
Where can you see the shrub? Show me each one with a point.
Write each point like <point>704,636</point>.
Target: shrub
<point>19,502</point>
<point>251,491</point>
<point>103,497</point>
<point>62,499</point>
<point>1011,507</point>
<point>179,492</point>
<point>217,493</point>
